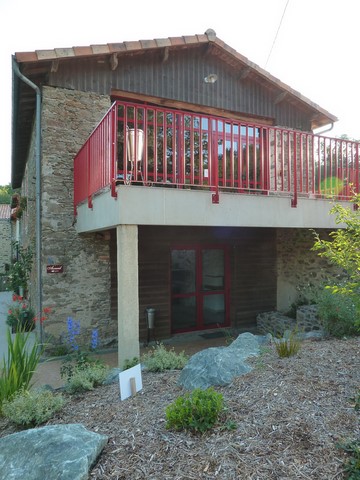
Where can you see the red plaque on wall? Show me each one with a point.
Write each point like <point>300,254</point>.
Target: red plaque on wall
<point>54,268</point>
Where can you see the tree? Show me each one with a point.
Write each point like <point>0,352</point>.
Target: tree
<point>6,193</point>
<point>343,250</point>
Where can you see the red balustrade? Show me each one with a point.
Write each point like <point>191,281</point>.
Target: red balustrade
<point>146,145</point>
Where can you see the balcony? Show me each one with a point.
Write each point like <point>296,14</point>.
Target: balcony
<point>145,146</point>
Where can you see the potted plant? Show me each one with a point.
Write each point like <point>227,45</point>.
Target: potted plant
<point>21,316</point>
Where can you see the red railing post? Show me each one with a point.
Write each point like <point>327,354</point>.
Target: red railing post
<point>294,198</point>
<point>113,146</point>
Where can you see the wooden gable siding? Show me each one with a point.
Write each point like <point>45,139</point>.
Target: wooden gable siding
<point>252,271</point>
<point>181,77</point>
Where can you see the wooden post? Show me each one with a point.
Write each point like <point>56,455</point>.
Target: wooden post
<point>133,386</point>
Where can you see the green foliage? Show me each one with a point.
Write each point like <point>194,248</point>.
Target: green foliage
<point>357,401</point>
<point>5,193</point>
<point>160,359</point>
<point>32,408</point>
<point>288,346</point>
<point>19,366</point>
<point>352,465</point>
<point>197,411</point>
<point>20,314</point>
<point>20,270</point>
<point>82,372</point>
<point>338,313</point>
<point>129,363</point>
<point>343,250</point>
<point>86,377</point>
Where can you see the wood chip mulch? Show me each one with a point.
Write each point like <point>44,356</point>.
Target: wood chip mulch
<point>289,413</point>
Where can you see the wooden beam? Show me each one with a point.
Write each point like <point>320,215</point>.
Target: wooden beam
<point>114,61</point>
<point>244,73</point>
<point>281,97</point>
<point>179,105</point>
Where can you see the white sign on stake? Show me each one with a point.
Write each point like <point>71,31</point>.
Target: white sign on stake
<point>130,381</point>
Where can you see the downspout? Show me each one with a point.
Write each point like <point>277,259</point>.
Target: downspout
<point>326,129</point>
<point>37,189</point>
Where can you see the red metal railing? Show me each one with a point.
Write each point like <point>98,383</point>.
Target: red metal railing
<point>146,145</point>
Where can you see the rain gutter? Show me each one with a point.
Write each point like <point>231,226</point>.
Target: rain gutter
<point>22,77</point>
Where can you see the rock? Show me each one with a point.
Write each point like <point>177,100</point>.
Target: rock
<point>219,365</point>
<point>113,376</point>
<point>62,452</point>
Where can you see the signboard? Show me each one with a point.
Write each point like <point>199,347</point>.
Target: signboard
<point>54,268</point>
<point>130,382</point>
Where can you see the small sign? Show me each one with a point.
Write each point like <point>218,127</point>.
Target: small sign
<point>54,268</point>
<point>130,382</point>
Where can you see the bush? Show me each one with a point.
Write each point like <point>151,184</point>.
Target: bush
<point>352,465</point>
<point>337,313</point>
<point>287,347</point>
<point>32,408</point>
<point>197,411</point>
<point>19,366</point>
<point>161,359</point>
<point>86,377</point>
<point>129,363</point>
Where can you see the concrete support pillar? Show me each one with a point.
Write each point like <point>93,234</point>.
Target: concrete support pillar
<point>128,292</point>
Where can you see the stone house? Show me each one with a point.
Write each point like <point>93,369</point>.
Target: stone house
<point>5,237</point>
<point>171,174</point>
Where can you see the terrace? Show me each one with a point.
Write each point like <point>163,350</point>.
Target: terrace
<point>144,146</point>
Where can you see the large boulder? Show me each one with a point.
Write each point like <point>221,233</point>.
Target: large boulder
<point>219,365</point>
<point>62,452</point>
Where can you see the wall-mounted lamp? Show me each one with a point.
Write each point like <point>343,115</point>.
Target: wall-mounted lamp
<point>211,78</point>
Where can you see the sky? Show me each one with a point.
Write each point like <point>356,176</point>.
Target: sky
<point>311,45</point>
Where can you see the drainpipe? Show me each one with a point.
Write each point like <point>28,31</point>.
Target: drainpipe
<point>37,189</point>
<point>326,129</point>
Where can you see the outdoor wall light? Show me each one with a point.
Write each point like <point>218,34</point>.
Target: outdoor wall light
<point>211,78</point>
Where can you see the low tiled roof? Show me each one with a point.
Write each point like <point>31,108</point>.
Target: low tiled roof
<point>4,211</point>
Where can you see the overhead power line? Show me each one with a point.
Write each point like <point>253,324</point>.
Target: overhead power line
<point>277,33</point>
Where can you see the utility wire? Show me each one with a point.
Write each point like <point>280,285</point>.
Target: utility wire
<point>277,33</point>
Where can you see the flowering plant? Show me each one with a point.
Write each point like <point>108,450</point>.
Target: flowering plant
<point>21,315</point>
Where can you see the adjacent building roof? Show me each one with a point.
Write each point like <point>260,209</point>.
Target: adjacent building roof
<point>4,211</point>
<point>36,66</point>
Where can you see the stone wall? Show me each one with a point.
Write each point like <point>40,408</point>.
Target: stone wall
<point>5,243</point>
<point>298,268</point>
<point>82,291</point>
<point>277,324</point>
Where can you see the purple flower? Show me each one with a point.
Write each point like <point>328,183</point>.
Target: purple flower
<point>94,338</point>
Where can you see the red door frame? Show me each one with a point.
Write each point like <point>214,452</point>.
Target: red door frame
<point>200,294</point>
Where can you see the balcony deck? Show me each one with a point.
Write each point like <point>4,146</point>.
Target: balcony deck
<point>146,165</point>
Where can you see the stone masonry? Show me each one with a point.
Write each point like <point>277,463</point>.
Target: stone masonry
<point>299,269</point>
<point>5,237</point>
<point>82,291</point>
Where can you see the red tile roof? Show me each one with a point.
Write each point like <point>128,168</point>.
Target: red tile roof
<point>4,211</point>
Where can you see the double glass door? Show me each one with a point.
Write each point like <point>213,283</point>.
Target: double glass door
<point>199,288</point>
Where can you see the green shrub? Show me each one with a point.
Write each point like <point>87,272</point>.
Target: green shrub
<point>160,359</point>
<point>287,347</point>
<point>337,313</point>
<point>357,401</point>
<point>197,411</point>
<point>18,367</point>
<point>129,363</point>
<point>86,377</point>
<point>32,408</point>
<point>352,465</point>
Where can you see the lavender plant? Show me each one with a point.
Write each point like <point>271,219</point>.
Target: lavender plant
<point>81,371</point>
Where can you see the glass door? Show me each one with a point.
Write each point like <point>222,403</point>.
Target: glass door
<point>199,288</point>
